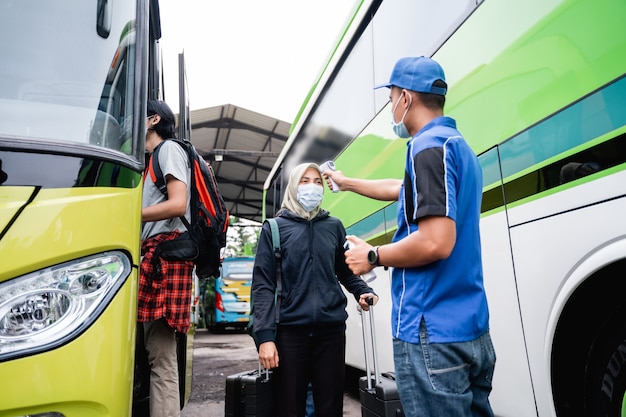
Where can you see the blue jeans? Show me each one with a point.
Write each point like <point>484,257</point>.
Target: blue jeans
<point>310,407</point>
<point>444,379</point>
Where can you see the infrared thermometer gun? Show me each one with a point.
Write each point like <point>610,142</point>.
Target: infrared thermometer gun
<point>368,276</point>
<point>330,165</point>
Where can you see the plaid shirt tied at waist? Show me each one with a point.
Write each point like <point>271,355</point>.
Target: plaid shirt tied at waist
<point>164,286</point>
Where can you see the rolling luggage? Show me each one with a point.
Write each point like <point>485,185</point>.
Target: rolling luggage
<point>249,394</point>
<point>378,393</point>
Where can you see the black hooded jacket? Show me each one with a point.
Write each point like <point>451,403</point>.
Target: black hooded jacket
<point>313,266</point>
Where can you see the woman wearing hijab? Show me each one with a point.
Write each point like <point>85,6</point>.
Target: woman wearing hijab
<point>308,343</point>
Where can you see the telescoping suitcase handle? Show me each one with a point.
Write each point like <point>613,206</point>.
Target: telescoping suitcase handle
<point>372,338</point>
<point>267,373</point>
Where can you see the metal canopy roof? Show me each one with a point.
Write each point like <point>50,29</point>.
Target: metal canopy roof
<point>242,147</point>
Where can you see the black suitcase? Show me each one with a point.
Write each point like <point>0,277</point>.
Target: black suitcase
<point>378,393</point>
<point>249,394</point>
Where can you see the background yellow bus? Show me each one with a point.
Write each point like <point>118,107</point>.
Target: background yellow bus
<point>226,299</point>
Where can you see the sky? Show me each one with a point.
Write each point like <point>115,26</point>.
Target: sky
<point>262,55</point>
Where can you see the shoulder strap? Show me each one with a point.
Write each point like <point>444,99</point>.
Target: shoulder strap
<point>154,169</point>
<point>277,254</point>
<point>275,237</point>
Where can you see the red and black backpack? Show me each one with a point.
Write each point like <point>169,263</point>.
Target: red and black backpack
<point>206,232</point>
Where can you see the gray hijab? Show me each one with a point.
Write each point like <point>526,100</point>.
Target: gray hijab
<point>290,201</point>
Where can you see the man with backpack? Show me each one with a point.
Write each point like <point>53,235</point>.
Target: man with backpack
<point>164,285</point>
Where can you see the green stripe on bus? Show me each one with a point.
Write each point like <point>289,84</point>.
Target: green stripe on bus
<point>593,116</point>
<point>584,138</point>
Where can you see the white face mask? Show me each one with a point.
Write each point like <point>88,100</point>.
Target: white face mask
<point>310,196</point>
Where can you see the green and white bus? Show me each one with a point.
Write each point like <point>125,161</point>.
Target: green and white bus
<point>538,89</point>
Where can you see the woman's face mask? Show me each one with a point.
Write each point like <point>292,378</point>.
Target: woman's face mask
<point>310,196</point>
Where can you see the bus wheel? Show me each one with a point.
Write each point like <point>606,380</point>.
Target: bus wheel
<point>605,378</point>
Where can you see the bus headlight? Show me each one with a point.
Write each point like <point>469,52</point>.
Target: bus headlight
<point>49,307</point>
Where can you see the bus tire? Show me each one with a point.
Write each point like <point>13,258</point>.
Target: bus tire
<point>605,375</point>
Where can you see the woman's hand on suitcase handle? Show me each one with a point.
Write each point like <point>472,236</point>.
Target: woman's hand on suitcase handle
<point>367,299</point>
<point>268,355</point>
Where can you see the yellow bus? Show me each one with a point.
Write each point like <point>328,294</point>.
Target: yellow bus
<point>74,81</point>
<point>226,299</point>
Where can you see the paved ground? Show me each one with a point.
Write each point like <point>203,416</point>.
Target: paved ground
<point>215,356</point>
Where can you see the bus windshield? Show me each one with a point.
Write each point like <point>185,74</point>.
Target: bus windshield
<point>237,270</point>
<point>68,73</point>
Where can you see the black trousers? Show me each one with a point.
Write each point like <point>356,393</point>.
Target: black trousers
<point>306,356</point>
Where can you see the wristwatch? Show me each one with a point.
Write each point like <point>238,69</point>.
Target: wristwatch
<point>372,256</point>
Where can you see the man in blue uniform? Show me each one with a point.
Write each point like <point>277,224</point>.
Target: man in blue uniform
<point>443,355</point>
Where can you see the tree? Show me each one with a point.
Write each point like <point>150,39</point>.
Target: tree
<point>242,237</point>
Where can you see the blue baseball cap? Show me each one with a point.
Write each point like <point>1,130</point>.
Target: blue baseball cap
<point>417,74</point>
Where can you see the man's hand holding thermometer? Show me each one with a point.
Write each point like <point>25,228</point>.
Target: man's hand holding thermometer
<point>330,166</point>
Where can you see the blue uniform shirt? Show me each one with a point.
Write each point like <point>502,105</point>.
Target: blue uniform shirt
<point>442,178</point>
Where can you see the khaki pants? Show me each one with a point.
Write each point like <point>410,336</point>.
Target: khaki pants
<point>160,341</point>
